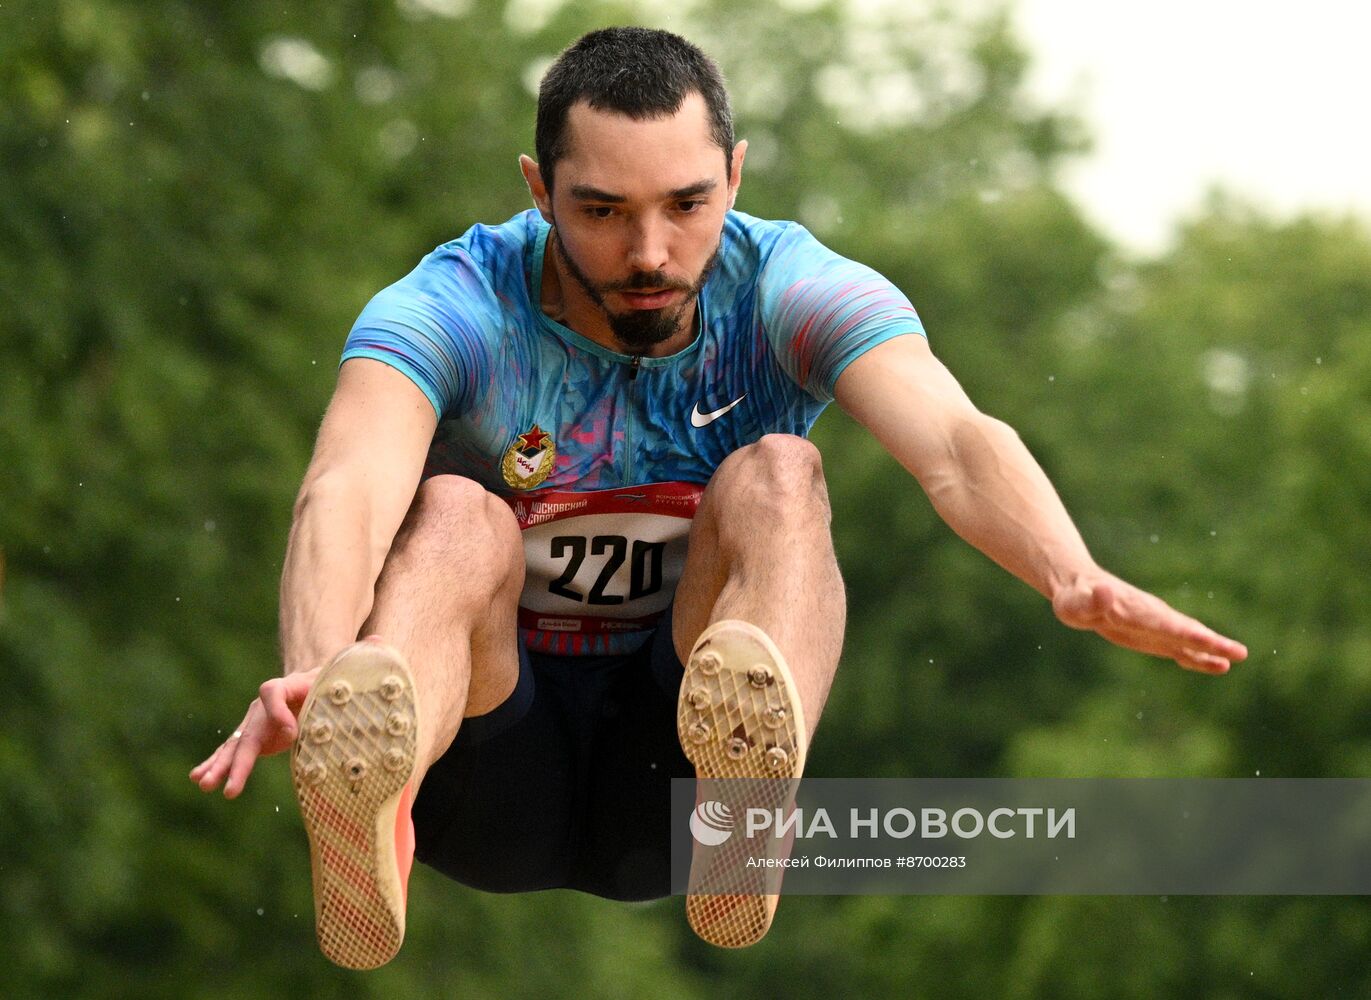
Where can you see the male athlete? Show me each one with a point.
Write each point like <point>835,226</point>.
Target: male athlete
<point>563,490</point>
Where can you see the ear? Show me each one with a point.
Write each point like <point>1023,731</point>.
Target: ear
<point>735,171</point>
<point>533,177</point>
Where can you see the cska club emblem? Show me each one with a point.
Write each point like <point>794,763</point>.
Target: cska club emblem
<point>529,459</point>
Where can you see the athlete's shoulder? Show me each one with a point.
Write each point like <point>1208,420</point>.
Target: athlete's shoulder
<point>749,240</point>
<point>440,323</point>
<point>744,248</point>
<point>457,286</point>
<point>496,254</point>
<point>758,232</point>
<point>821,310</point>
<point>759,248</point>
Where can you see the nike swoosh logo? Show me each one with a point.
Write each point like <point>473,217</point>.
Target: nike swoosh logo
<point>698,419</point>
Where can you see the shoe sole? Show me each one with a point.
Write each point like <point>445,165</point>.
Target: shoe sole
<point>351,762</point>
<point>735,682</point>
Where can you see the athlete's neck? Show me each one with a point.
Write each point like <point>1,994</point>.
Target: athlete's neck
<point>563,300</point>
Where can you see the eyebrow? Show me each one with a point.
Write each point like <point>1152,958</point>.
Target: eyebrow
<point>584,192</point>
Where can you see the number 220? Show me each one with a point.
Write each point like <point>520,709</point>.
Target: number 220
<point>645,567</point>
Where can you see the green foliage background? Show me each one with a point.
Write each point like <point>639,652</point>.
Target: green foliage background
<point>195,201</point>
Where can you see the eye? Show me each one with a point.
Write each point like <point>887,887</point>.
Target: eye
<point>689,206</point>
<point>599,211</point>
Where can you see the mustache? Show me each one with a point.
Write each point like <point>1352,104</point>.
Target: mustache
<point>654,280</point>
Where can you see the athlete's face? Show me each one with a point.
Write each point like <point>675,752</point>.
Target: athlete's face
<point>638,209</point>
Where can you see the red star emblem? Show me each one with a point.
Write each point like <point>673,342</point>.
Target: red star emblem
<point>533,440</point>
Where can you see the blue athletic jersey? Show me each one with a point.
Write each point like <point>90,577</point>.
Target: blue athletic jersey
<point>603,456</point>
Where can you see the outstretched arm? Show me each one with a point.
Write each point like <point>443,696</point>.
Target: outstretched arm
<point>361,481</point>
<point>984,483</point>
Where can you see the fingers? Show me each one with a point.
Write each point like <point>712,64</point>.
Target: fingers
<point>1191,659</point>
<point>1137,620</point>
<point>1195,645</point>
<point>1207,640</point>
<point>1141,642</point>
<point>230,764</point>
<point>1197,642</point>
<point>276,696</point>
<point>210,772</point>
<point>270,726</point>
<point>1205,663</point>
<point>245,754</point>
<point>1195,634</point>
<point>199,770</point>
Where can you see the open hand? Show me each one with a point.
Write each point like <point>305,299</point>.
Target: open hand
<point>268,728</point>
<point>1135,619</point>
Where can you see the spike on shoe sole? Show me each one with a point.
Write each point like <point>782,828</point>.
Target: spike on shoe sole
<point>352,768</point>
<point>739,718</point>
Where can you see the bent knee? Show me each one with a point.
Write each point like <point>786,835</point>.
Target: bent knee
<point>779,459</point>
<point>785,453</point>
<point>449,492</point>
<point>453,509</point>
<point>778,471</point>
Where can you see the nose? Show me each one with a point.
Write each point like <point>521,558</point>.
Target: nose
<point>648,251</point>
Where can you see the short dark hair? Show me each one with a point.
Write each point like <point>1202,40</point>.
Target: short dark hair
<point>639,72</point>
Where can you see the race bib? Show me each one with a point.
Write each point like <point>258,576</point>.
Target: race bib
<point>601,563</point>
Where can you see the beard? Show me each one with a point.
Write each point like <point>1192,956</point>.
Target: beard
<point>640,329</point>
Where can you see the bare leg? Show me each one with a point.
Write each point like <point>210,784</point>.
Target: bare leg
<point>760,558</point>
<point>761,551</point>
<point>447,599</point>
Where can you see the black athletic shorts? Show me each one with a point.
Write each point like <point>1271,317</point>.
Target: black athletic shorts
<point>567,783</point>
